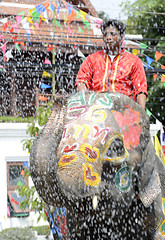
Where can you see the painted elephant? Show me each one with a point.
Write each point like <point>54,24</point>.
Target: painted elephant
<point>95,159</point>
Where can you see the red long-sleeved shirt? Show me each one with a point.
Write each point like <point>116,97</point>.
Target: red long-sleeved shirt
<point>129,79</point>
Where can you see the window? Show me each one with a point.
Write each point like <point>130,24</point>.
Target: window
<point>15,177</point>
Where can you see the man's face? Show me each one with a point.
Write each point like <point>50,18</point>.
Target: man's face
<point>112,39</point>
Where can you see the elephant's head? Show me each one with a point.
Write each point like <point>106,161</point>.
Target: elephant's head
<point>91,142</point>
<point>97,144</point>
<point>103,141</point>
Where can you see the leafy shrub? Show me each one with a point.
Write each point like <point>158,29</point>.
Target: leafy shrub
<point>42,114</point>
<point>42,230</point>
<point>17,234</point>
<point>9,119</point>
<point>32,200</point>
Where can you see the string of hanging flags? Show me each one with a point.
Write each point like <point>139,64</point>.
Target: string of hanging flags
<point>150,60</point>
<point>44,12</point>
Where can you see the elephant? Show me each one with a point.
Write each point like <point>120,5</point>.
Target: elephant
<point>94,160</point>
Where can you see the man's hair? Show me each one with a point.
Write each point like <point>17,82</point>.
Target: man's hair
<point>115,23</point>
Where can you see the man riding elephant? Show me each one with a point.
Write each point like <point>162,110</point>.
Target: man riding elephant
<point>95,160</point>
<point>113,69</point>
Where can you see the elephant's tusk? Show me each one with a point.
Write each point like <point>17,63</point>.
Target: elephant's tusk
<point>95,202</point>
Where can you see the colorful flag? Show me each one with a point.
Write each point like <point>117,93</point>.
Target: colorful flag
<point>143,46</point>
<point>50,47</point>
<point>163,138</point>
<point>154,76</point>
<point>158,149</point>
<point>43,86</point>
<point>40,8</point>
<point>99,22</point>
<point>32,30</point>
<point>19,17</point>
<point>162,67</point>
<point>4,20</point>
<point>58,8</point>
<point>80,54</point>
<point>149,60</point>
<point>22,172</point>
<point>1,36</point>
<point>162,78</point>
<point>46,74</point>
<point>158,55</point>
<point>47,61</point>
<point>26,164</point>
<point>6,25</point>
<point>36,16</point>
<point>80,29</point>
<point>163,142</point>
<point>20,43</point>
<point>72,16</point>
<point>135,51</point>
<point>70,31</point>
<point>57,23</point>
<point>2,68</point>
<point>42,98</point>
<point>51,6</point>
<point>148,113</point>
<point>3,47</point>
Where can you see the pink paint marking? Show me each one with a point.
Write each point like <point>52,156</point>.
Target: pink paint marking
<point>63,226</point>
<point>77,115</point>
<point>106,132</point>
<point>64,136</point>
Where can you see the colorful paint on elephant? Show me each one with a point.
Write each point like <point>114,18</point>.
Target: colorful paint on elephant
<point>90,154</point>
<point>88,135</point>
<point>92,132</point>
<point>101,148</point>
<point>58,221</point>
<point>129,123</point>
<point>82,106</point>
<point>123,179</point>
<point>67,159</point>
<point>91,178</point>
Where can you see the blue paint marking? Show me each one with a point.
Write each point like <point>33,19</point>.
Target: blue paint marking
<point>55,227</point>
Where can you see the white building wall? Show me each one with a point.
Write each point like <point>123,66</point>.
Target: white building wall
<point>11,135</point>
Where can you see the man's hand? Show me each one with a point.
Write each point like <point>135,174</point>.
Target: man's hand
<point>141,100</point>
<point>81,87</point>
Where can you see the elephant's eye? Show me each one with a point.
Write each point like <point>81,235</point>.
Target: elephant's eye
<point>116,148</point>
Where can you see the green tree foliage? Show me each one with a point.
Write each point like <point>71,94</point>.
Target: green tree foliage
<point>103,15</point>
<point>32,200</point>
<point>156,101</point>
<point>148,19</point>
<point>145,17</point>
<point>36,124</point>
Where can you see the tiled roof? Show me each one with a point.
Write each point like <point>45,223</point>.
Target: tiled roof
<point>79,32</point>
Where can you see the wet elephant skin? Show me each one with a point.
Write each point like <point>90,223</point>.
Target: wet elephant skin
<point>100,145</point>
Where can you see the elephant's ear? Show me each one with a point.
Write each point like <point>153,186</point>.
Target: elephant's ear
<point>151,177</point>
<point>43,160</point>
<point>133,121</point>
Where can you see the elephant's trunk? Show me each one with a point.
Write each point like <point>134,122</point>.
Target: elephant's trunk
<point>43,159</point>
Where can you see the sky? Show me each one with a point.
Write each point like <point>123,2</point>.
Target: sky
<point>111,7</point>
